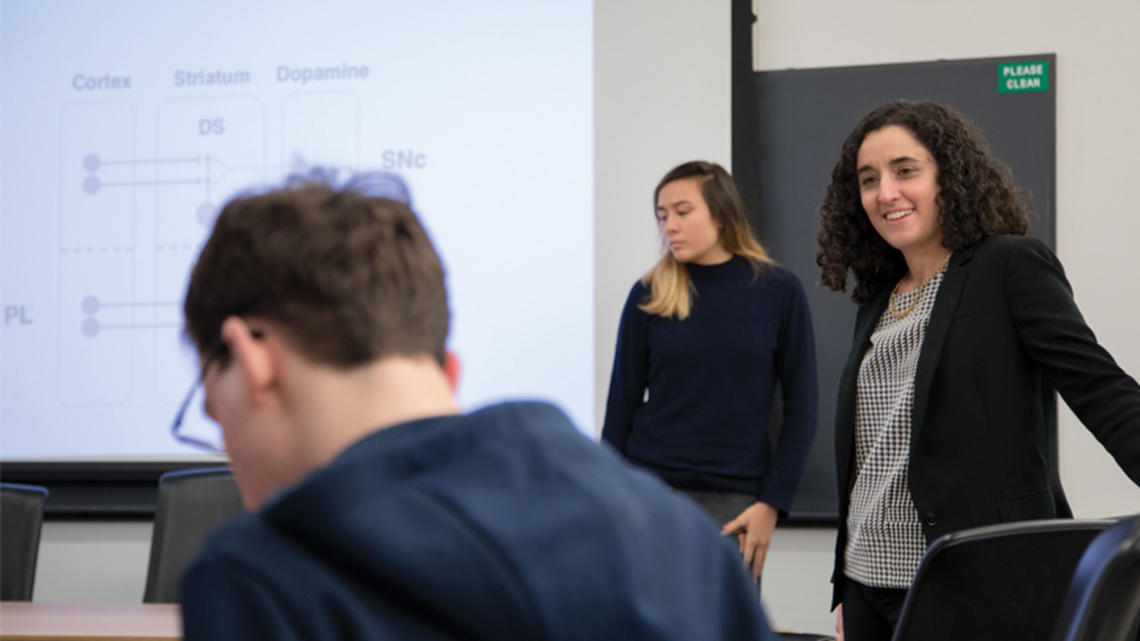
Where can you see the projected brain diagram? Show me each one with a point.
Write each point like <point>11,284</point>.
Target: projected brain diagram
<point>124,135</point>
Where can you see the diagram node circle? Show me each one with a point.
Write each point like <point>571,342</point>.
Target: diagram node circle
<point>90,327</point>
<point>207,211</point>
<point>90,305</point>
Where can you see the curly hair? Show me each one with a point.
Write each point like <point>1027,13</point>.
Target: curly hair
<point>977,197</point>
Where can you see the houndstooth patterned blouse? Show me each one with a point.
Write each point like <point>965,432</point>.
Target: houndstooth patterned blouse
<point>885,540</point>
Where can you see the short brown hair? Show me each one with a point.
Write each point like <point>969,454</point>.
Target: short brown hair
<point>348,275</point>
<point>977,197</point>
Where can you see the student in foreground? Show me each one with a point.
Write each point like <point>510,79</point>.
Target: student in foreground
<point>379,510</point>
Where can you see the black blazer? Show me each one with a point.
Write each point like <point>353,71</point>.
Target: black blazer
<point>1004,333</point>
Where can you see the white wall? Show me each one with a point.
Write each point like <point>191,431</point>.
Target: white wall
<point>662,96</point>
<point>662,93</point>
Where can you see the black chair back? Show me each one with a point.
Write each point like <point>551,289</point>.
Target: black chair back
<point>1103,603</point>
<point>995,582</point>
<point>21,519</point>
<point>191,504</point>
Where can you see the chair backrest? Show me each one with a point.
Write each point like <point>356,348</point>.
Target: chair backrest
<point>21,518</point>
<point>191,504</point>
<point>996,582</point>
<point>1103,603</point>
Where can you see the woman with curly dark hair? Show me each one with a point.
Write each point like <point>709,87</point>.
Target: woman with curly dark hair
<point>965,328</point>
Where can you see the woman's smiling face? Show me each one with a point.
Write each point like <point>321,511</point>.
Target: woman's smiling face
<point>898,186</point>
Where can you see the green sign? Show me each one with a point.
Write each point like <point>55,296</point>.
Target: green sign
<point>1017,77</point>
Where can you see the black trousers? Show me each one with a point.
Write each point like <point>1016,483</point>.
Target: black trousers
<point>870,614</point>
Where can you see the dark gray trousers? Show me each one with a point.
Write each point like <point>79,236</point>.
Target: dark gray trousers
<point>723,507</point>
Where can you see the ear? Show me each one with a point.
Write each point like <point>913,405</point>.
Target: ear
<point>253,358</point>
<point>451,368</point>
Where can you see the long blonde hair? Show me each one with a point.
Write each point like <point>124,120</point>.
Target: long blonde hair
<point>670,287</point>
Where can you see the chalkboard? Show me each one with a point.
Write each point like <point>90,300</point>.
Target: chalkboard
<point>788,127</point>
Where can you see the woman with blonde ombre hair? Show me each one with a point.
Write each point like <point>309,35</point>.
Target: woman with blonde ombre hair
<point>705,338</point>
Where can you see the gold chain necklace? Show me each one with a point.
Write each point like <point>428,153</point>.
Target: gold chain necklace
<point>910,308</point>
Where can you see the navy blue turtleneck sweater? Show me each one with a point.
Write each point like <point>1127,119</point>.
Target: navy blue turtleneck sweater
<point>690,399</point>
